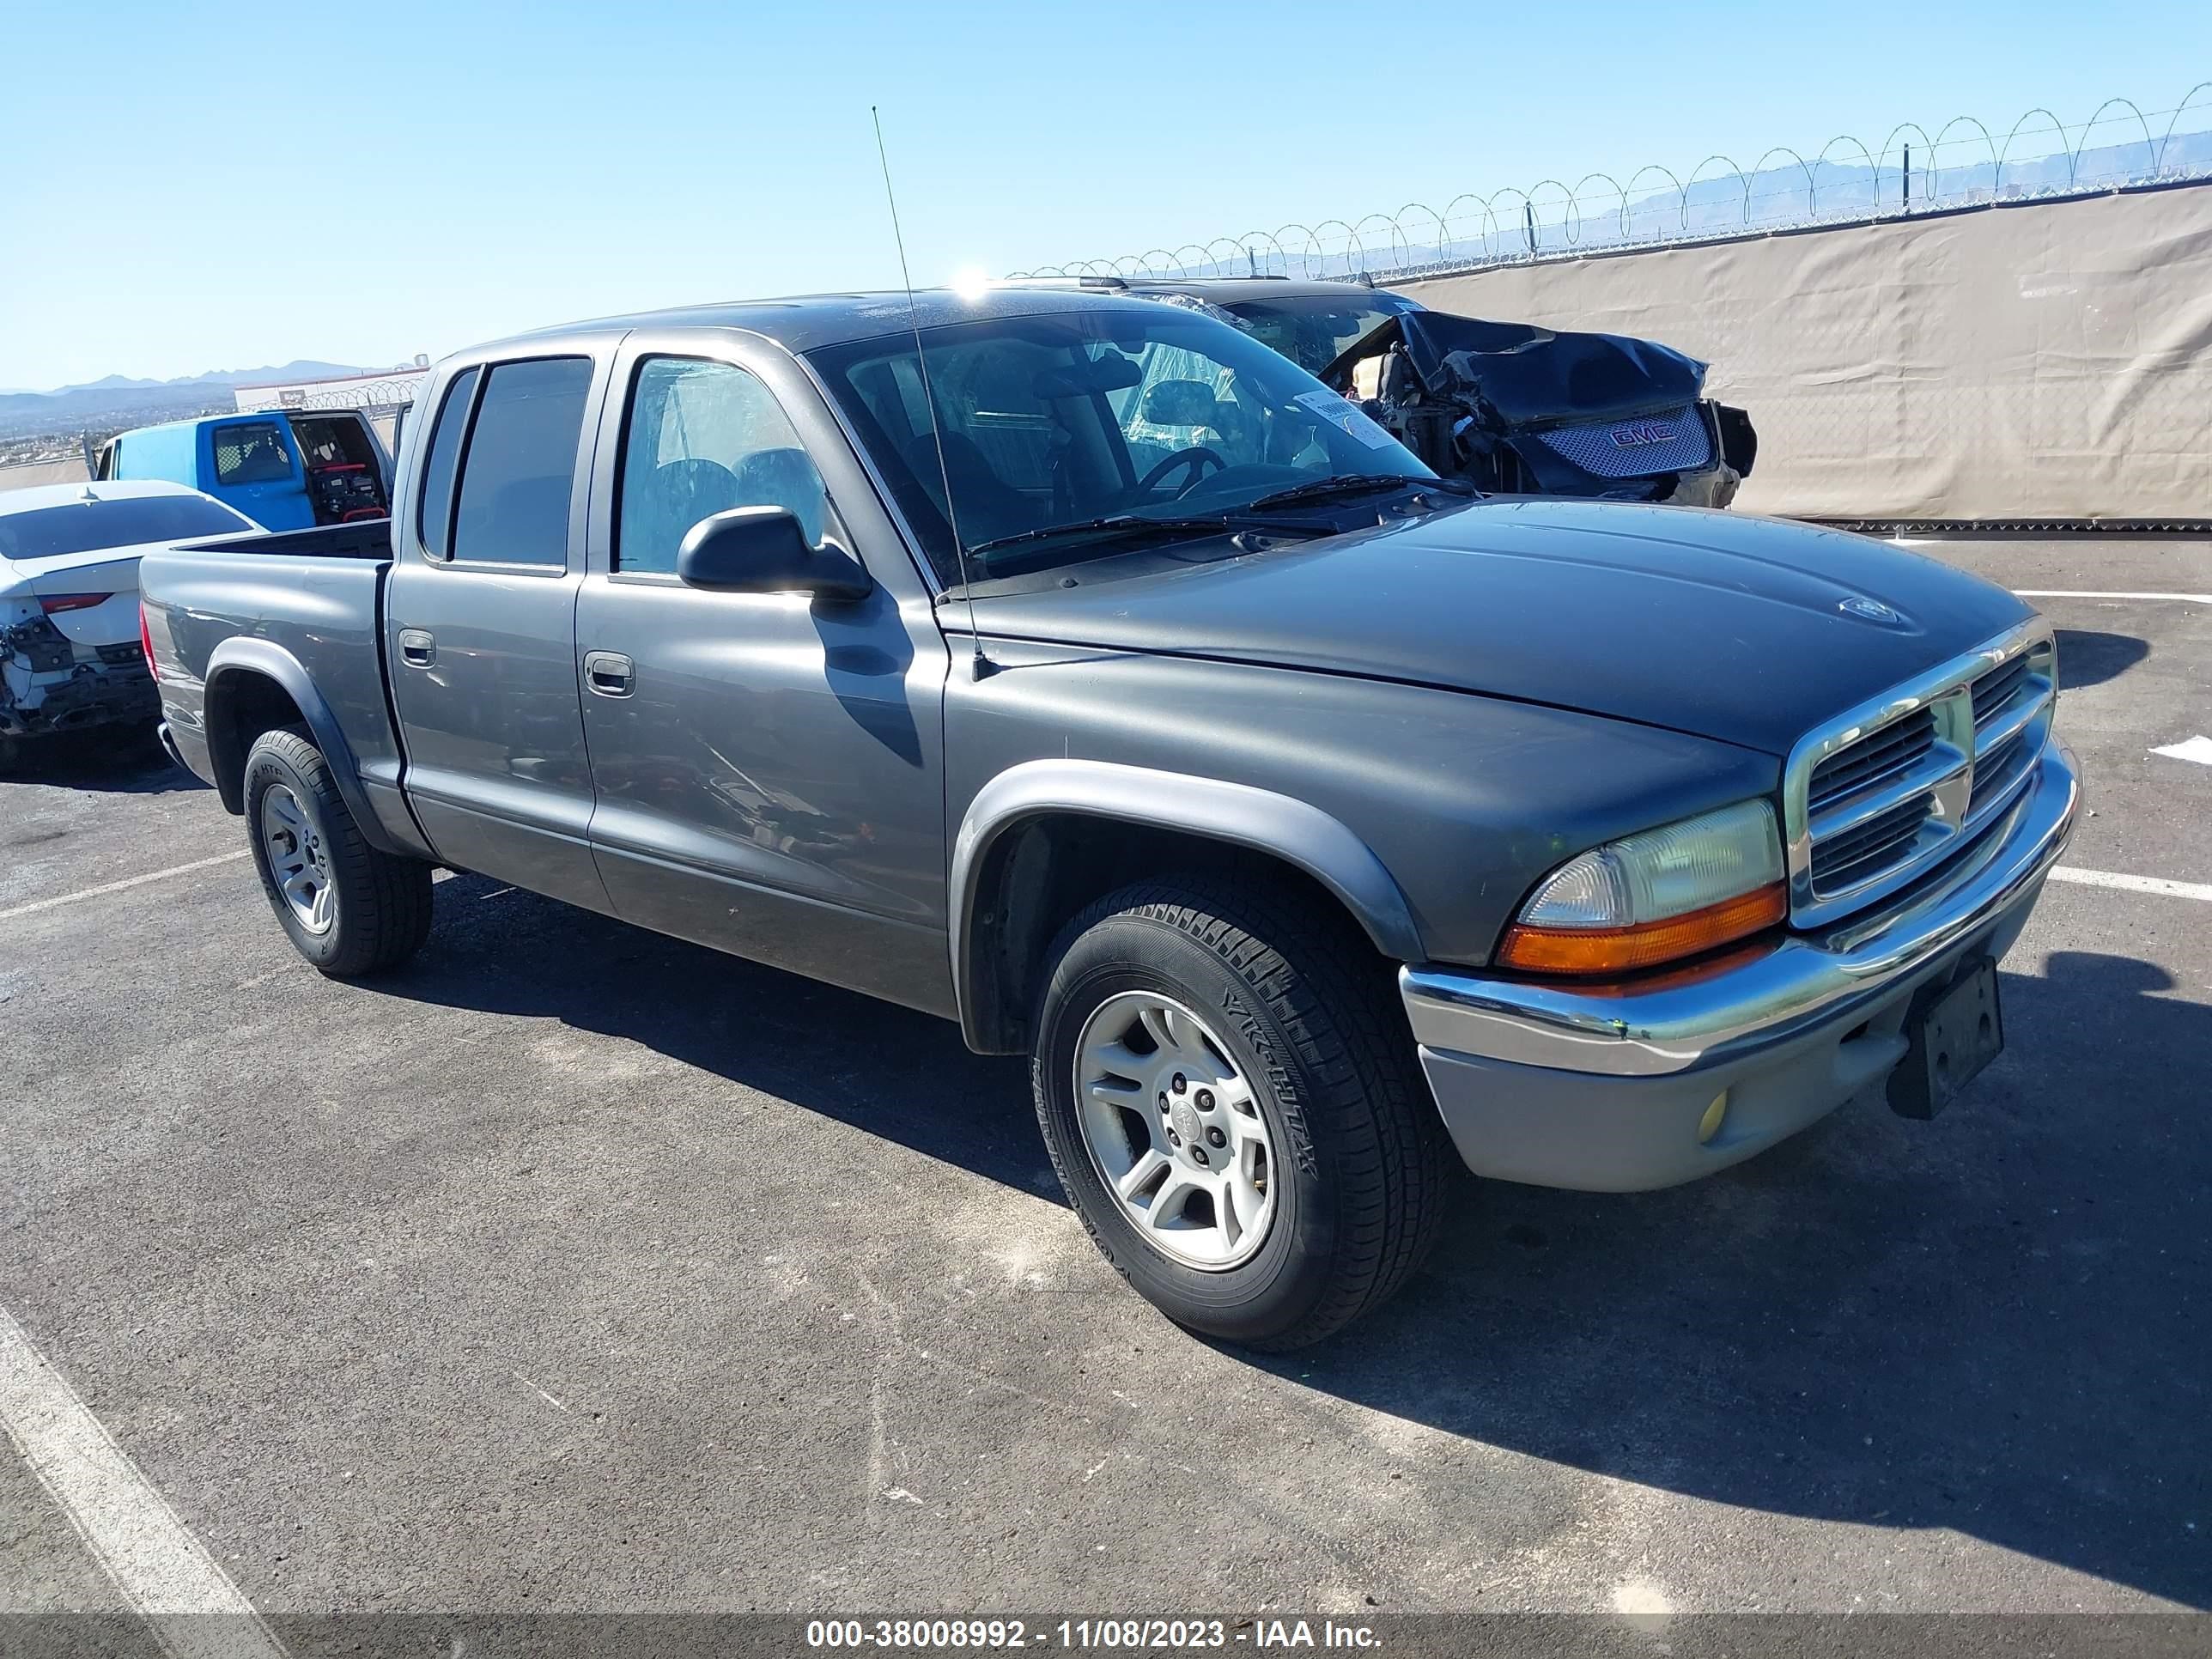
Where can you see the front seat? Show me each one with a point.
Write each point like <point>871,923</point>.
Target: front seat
<point>784,478</point>
<point>986,506</point>
<point>682,492</point>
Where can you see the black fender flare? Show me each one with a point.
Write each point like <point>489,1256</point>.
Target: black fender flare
<point>241,658</point>
<point>1297,832</point>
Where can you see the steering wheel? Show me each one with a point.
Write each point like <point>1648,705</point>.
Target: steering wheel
<point>1192,460</point>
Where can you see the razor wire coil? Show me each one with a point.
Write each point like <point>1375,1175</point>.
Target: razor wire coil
<point>1844,181</point>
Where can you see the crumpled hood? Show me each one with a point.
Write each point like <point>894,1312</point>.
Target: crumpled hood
<point>1745,629</point>
<point>1517,376</point>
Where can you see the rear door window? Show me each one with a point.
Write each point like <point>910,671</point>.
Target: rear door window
<point>521,463</point>
<point>251,454</point>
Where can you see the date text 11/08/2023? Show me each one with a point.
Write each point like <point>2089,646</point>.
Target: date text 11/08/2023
<point>1084,1634</point>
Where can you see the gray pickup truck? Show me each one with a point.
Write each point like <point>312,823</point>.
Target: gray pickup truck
<point>1314,825</point>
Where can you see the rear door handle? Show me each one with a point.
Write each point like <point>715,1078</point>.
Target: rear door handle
<point>610,673</point>
<point>418,647</point>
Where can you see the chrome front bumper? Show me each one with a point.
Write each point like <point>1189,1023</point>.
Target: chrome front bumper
<point>1606,1089</point>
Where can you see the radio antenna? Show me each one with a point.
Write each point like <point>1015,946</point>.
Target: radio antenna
<point>978,664</point>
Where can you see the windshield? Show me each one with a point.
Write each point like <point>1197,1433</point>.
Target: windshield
<point>1313,332</point>
<point>1058,422</point>
<point>81,526</point>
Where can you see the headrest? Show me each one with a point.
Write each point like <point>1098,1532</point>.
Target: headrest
<point>1112,372</point>
<point>1180,403</point>
<point>783,477</point>
<point>775,469</point>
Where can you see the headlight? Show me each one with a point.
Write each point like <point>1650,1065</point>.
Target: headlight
<point>1654,897</point>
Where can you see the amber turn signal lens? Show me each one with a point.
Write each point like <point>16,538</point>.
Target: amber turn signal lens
<point>1624,950</point>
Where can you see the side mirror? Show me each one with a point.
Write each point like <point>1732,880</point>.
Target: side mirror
<point>762,550</point>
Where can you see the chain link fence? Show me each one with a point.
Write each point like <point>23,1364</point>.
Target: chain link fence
<point>1962,162</point>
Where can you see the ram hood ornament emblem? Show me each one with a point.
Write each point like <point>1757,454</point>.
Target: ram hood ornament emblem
<point>1872,611</point>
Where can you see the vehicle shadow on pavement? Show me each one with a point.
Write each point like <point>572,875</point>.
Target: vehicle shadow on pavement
<point>2087,657</point>
<point>103,761</point>
<point>902,1075</point>
<point>1993,1323</point>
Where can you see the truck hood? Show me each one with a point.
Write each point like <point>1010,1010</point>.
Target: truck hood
<point>1745,629</point>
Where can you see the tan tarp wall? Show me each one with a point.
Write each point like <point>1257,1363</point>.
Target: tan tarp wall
<point>2049,360</point>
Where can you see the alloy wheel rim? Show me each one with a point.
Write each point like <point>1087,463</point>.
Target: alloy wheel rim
<point>299,862</point>
<point>1175,1130</point>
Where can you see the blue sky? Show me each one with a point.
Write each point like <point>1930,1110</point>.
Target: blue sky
<point>184,188</point>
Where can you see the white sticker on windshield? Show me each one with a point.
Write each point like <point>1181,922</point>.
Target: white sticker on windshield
<point>1343,413</point>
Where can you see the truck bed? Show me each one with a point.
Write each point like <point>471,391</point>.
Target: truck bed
<point>302,610</point>
<point>368,538</point>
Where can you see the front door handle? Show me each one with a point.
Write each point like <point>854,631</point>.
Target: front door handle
<point>418,647</point>
<point>610,673</point>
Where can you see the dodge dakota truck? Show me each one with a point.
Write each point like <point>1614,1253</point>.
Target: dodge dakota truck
<point>1315,825</point>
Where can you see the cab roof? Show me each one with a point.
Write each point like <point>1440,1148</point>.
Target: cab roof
<point>1217,290</point>
<point>808,322</point>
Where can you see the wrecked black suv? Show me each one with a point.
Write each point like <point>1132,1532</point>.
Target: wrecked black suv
<point>1510,407</point>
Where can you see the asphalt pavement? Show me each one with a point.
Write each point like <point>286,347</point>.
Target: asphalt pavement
<point>576,1268</point>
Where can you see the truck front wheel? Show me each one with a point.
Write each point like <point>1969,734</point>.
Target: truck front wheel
<point>1230,1096</point>
<point>347,908</point>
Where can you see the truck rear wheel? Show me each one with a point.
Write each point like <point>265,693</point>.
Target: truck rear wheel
<point>1234,1109</point>
<point>347,908</point>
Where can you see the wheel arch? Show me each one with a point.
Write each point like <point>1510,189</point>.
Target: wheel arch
<point>253,684</point>
<point>1004,890</point>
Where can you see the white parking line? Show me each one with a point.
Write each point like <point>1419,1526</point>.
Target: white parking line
<point>2160,884</point>
<point>37,905</point>
<point>164,1572</point>
<point>2076,594</point>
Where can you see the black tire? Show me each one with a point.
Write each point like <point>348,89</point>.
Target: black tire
<point>380,904</point>
<point>1305,1010</point>
<point>11,755</point>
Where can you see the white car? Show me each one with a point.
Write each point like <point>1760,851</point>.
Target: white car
<point>70,654</point>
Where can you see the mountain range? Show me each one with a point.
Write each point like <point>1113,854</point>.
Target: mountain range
<point>301,369</point>
<point>117,400</point>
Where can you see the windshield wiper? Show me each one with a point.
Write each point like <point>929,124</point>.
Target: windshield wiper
<point>1123,523</point>
<point>1357,483</point>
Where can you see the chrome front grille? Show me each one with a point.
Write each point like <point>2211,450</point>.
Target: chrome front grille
<point>1872,801</point>
<point>1995,689</point>
<point>1897,750</point>
<point>1840,862</point>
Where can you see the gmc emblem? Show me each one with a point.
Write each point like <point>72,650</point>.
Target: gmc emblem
<point>1644,432</point>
